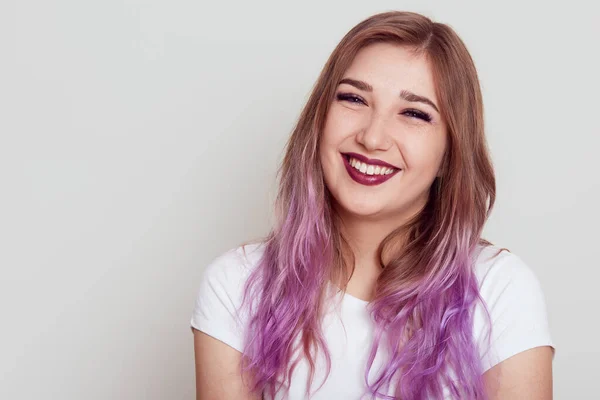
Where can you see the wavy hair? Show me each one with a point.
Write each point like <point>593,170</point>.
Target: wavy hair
<point>425,295</point>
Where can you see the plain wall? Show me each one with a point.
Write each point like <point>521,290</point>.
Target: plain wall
<point>140,139</point>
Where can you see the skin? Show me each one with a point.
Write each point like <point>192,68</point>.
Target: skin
<point>379,124</point>
<point>217,370</point>
<point>524,376</point>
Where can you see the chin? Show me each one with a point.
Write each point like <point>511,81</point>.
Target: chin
<point>368,209</point>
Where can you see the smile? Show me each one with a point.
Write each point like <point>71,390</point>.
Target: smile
<point>368,172</point>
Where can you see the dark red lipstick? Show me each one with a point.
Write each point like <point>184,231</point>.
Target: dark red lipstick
<point>364,179</point>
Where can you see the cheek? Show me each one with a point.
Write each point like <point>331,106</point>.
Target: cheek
<point>340,124</point>
<point>329,143</point>
<point>425,153</point>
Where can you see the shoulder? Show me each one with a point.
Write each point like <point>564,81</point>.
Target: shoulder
<point>216,309</point>
<point>514,306</point>
<point>498,269</point>
<point>234,265</point>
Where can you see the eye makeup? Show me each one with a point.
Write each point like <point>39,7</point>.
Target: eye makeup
<point>411,112</point>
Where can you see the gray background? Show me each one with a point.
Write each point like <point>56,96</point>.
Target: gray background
<point>140,139</point>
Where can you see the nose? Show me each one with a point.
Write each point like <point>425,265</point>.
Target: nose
<point>374,136</point>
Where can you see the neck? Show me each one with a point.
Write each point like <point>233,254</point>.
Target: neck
<point>365,234</point>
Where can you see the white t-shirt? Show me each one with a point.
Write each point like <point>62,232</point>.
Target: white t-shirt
<point>509,287</point>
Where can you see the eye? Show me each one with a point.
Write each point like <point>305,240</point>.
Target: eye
<point>418,114</point>
<point>352,98</point>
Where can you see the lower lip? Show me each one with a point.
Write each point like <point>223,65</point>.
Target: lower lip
<point>364,179</point>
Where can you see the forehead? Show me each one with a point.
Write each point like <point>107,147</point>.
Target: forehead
<point>392,67</point>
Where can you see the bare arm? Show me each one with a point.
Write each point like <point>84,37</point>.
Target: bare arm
<point>218,370</point>
<point>527,375</point>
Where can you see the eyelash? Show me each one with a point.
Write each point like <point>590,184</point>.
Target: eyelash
<point>357,100</point>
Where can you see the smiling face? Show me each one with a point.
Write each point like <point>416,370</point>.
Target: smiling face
<point>384,139</point>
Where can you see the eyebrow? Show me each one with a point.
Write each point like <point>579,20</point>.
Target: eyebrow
<point>405,94</point>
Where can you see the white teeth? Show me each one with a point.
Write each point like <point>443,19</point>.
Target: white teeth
<point>370,169</point>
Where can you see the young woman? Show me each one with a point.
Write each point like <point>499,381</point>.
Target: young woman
<point>375,281</point>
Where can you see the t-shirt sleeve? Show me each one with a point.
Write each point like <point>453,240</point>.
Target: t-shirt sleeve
<point>517,309</point>
<point>219,297</point>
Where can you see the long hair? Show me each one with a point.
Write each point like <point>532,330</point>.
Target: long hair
<point>425,295</point>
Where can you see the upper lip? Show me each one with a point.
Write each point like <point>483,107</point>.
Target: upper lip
<point>372,161</point>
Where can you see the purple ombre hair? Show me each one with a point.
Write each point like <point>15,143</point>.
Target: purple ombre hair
<point>427,291</point>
